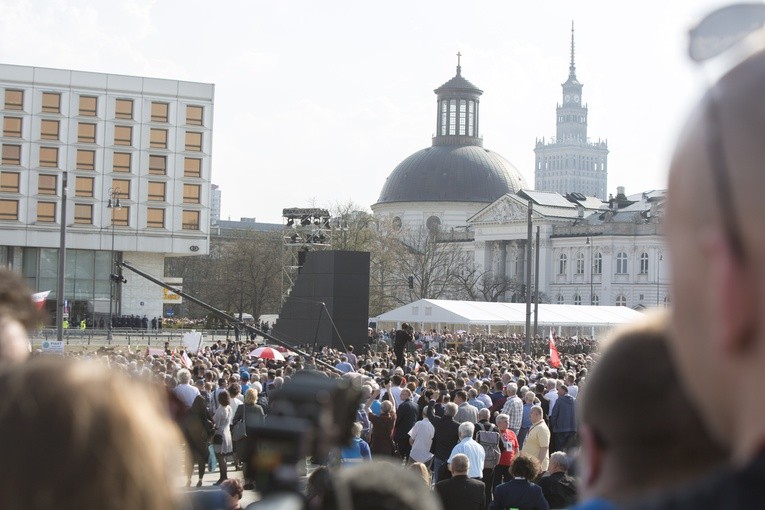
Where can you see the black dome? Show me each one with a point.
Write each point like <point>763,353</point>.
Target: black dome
<point>451,173</point>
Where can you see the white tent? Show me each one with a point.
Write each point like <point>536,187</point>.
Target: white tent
<point>475,315</point>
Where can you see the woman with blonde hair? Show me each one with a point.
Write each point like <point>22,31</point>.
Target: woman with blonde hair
<point>109,439</point>
<point>422,471</point>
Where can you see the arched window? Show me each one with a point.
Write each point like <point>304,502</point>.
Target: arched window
<point>621,300</point>
<point>580,263</point>
<point>577,299</point>
<point>621,263</point>
<point>562,264</point>
<point>560,299</point>
<point>396,223</point>
<point>597,265</point>
<point>643,263</point>
<point>595,300</point>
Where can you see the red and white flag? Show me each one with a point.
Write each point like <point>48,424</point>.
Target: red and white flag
<point>38,298</point>
<point>554,357</point>
<point>185,360</point>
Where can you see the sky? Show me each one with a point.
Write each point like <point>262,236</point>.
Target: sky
<point>316,102</point>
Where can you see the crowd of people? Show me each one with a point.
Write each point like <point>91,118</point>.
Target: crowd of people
<point>665,414</point>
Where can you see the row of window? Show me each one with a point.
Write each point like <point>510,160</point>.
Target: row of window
<point>621,300</point>
<point>86,160</point>
<point>458,117</point>
<point>597,263</point>
<point>86,133</point>
<point>88,105</point>
<point>84,187</point>
<point>83,215</point>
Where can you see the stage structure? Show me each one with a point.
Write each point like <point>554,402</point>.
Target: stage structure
<point>305,229</point>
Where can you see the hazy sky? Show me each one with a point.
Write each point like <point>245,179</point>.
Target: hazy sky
<point>316,102</point>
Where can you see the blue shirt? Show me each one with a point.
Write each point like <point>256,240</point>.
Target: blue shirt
<point>475,454</point>
<point>526,420</point>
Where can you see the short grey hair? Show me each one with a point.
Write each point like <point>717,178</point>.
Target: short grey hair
<point>484,414</point>
<point>450,409</point>
<point>466,429</point>
<point>560,459</point>
<point>184,376</point>
<point>512,388</point>
<point>502,417</point>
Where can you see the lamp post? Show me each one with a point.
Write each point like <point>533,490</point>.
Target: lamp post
<point>658,277</point>
<point>60,302</point>
<point>592,270</point>
<point>113,203</point>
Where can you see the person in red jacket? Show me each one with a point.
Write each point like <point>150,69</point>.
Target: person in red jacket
<point>509,448</point>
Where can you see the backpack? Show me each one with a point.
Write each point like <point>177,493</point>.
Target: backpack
<point>489,440</point>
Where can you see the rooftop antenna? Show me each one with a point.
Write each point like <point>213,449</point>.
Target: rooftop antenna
<point>572,66</point>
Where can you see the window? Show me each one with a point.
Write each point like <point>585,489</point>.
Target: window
<point>158,139</point>
<point>157,165</point>
<point>86,160</point>
<point>192,167</point>
<point>46,212</point>
<point>191,193</point>
<point>121,162</point>
<point>194,115</point>
<point>51,102</point>
<point>580,263</point>
<point>643,263</point>
<point>597,266</point>
<point>560,299</point>
<point>621,263</point>
<point>9,182</point>
<point>88,106</point>
<point>83,214</point>
<point>193,141</point>
<point>190,220</point>
<point>123,186</point>
<point>49,157</point>
<point>155,218</point>
<point>121,216</point>
<point>562,264</point>
<point>46,184</point>
<point>49,129</point>
<point>595,300</point>
<point>11,155</point>
<point>12,127</point>
<point>577,299</point>
<point>159,112</point>
<point>621,300</point>
<point>667,301</point>
<point>9,209</point>
<point>86,133</point>
<point>157,191</point>
<point>123,135</point>
<point>83,187</point>
<point>14,99</point>
<point>123,109</point>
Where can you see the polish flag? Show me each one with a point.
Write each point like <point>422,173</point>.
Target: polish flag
<point>38,298</point>
<point>186,360</point>
<point>554,357</point>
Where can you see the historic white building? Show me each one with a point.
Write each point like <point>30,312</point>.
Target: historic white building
<point>142,144</point>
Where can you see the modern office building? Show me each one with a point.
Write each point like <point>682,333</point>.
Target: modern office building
<point>132,156</point>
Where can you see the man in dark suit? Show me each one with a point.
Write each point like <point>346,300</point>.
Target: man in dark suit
<point>406,416</point>
<point>558,487</point>
<point>400,339</point>
<point>460,492</point>
<point>446,434</point>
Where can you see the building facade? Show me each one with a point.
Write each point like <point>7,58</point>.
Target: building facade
<point>570,163</point>
<point>132,156</point>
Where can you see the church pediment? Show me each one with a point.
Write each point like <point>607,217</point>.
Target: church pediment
<point>507,209</point>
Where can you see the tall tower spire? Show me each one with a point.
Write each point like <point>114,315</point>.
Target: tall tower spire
<point>572,66</point>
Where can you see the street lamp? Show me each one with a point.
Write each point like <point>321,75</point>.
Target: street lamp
<point>113,203</point>
<point>592,270</point>
<point>658,277</point>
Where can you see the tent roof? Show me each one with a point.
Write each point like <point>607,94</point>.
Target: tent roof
<point>507,314</point>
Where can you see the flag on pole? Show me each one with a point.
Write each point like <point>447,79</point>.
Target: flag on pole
<point>186,360</point>
<point>38,298</point>
<point>554,357</point>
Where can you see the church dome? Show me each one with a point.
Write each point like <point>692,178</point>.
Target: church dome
<point>456,168</point>
<point>452,173</point>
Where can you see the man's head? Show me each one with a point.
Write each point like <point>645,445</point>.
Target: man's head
<point>405,394</point>
<point>558,463</point>
<point>562,390</point>
<point>450,409</point>
<point>502,421</point>
<point>511,389</point>
<point>460,397</point>
<point>484,414</point>
<point>717,278</point>
<point>536,414</point>
<point>459,464</point>
<point>640,433</point>
<point>466,430</point>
